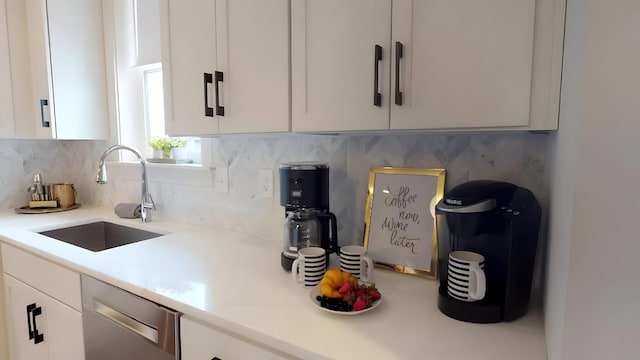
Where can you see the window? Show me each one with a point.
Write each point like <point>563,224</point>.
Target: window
<point>139,81</point>
<point>153,98</point>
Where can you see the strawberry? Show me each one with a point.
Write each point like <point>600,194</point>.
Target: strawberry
<point>349,297</point>
<point>375,294</point>
<point>347,287</point>
<point>360,304</point>
<point>361,292</point>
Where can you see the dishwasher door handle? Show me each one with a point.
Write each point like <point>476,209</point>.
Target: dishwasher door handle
<point>126,321</point>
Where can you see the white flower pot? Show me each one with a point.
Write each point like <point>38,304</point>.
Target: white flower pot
<point>179,153</point>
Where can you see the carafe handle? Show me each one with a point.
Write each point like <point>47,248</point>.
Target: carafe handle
<point>333,240</point>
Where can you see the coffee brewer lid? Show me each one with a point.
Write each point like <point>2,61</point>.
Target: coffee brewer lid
<point>303,165</point>
<point>476,196</point>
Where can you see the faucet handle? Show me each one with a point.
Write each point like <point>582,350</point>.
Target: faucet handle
<point>148,202</point>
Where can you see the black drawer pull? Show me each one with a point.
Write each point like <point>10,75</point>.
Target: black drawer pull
<point>43,103</point>
<point>399,55</point>
<point>208,79</point>
<point>219,79</point>
<point>30,308</point>
<point>377,96</point>
<point>38,338</point>
<point>32,312</point>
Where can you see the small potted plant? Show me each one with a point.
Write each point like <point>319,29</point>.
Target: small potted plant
<point>162,146</point>
<point>179,151</point>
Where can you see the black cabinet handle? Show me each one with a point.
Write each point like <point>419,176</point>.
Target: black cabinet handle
<point>377,96</point>
<point>399,55</point>
<point>38,338</point>
<point>219,79</point>
<point>32,312</point>
<point>208,79</point>
<point>43,103</point>
<point>30,308</point>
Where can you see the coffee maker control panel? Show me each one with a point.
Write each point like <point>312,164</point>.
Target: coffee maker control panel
<point>294,198</point>
<point>304,185</point>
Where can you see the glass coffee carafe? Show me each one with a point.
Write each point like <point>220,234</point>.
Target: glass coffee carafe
<point>302,228</point>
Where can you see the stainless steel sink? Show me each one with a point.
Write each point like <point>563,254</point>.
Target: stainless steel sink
<point>98,236</point>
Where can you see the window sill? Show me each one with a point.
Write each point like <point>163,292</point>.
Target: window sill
<point>178,174</point>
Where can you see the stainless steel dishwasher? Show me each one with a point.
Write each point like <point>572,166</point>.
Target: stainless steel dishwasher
<point>120,325</point>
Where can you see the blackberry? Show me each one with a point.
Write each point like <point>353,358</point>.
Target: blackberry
<point>334,304</point>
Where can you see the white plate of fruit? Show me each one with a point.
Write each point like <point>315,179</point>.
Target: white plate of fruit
<point>341,293</point>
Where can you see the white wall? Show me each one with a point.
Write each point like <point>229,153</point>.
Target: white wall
<point>591,302</point>
<point>4,343</point>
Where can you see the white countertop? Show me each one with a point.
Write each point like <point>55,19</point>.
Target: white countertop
<point>235,281</point>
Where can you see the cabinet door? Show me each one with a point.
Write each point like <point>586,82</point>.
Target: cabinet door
<point>56,47</point>
<point>6,99</point>
<point>56,328</point>
<point>199,342</point>
<point>20,69</point>
<point>253,55</point>
<point>464,63</point>
<point>77,64</point>
<point>41,101</point>
<point>334,62</point>
<point>188,32</point>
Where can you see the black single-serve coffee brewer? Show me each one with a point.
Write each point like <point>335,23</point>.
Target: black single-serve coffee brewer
<point>499,221</point>
<point>304,193</point>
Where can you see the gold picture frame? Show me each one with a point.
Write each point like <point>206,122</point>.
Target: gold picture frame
<point>396,233</point>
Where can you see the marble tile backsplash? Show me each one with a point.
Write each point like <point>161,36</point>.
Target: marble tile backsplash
<point>515,157</point>
<point>56,161</point>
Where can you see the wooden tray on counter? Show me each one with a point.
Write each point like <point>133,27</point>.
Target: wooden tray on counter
<point>28,210</point>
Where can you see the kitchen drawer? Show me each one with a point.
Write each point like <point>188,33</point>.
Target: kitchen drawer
<point>54,280</point>
<point>203,342</point>
<point>57,327</point>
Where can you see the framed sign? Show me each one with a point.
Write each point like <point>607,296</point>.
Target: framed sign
<point>400,227</point>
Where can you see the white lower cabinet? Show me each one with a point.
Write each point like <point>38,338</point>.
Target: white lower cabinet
<point>43,308</point>
<point>200,342</point>
<point>41,327</point>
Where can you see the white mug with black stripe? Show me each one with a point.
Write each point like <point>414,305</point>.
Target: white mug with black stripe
<point>309,268</point>
<point>354,259</point>
<point>466,280</point>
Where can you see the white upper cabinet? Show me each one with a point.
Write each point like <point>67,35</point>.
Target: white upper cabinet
<point>188,33</point>
<point>57,60</point>
<point>7,128</point>
<point>334,64</point>
<point>461,63</point>
<point>436,64</point>
<point>226,66</point>
<point>255,64</point>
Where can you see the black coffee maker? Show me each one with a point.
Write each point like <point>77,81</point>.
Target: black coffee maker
<point>304,193</point>
<point>500,221</point>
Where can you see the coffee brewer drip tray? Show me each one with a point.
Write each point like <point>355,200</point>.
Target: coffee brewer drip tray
<point>475,312</point>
